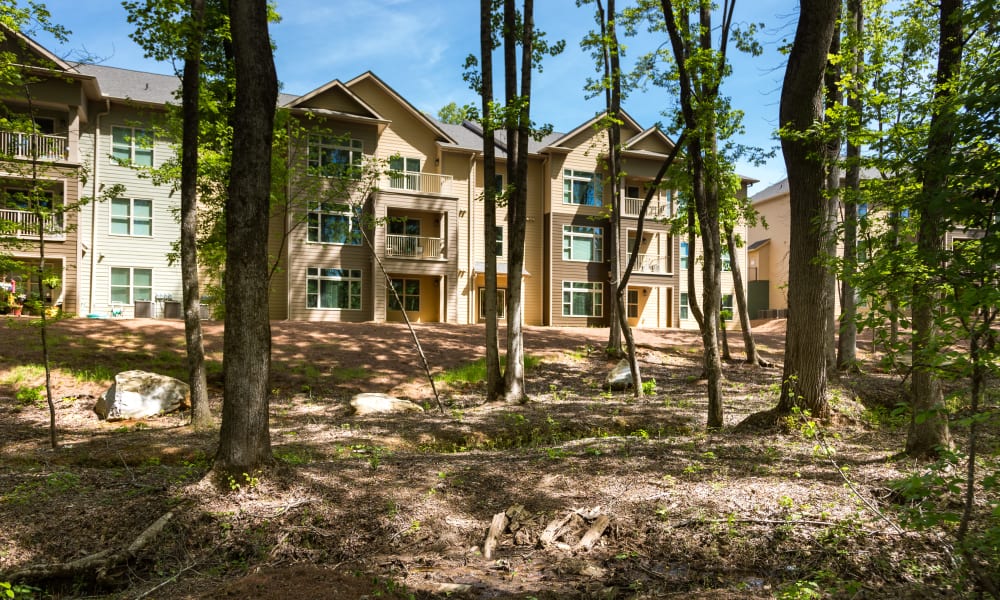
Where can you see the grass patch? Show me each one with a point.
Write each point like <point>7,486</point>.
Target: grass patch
<point>23,374</point>
<point>95,374</point>
<point>475,372</point>
<point>350,373</point>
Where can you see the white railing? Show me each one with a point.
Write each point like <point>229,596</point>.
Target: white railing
<point>24,224</point>
<point>412,246</point>
<point>655,210</point>
<point>652,263</point>
<point>419,182</point>
<point>14,144</point>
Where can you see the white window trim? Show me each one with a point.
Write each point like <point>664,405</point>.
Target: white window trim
<point>685,306</point>
<point>354,148</point>
<point>596,236</point>
<point>131,284</point>
<point>390,297</point>
<point>319,277</point>
<point>596,289</point>
<point>589,176</point>
<point>131,218</point>
<point>132,137</point>
<point>501,302</point>
<point>319,209</point>
<point>684,257</point>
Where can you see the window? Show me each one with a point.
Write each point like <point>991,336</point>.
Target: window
<point>130,144</point>
<point>501,303</point>
<point>333,288</point>
<point>405,173</point>
<point>727,307</point>
<point>22,199</point>
<point>330,223</point>
<point>499,183</point>
<point>727,263</point>
<point>581,187</point>
<point>632,304</point>
<point>583,243</point>
<point>862,210</point>
<point>333,156</point>
<point>499,241</point>
<point>408,291</point>
<point>130,284</point>
<point>684,255</point>
<point>131,217</point>
<point>684,305</point>
<point>583,299</point>
<point>632,191</point>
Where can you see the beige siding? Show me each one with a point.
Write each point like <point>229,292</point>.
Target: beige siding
<point>774,261</point>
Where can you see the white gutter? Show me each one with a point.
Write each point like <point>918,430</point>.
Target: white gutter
<point>470,259</point>
<point>93,207</point>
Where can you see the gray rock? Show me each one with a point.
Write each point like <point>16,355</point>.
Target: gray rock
<point>620,378</point>
<point>138,394</point>
<point>368,404</point>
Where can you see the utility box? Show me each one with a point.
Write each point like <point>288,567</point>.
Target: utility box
<point>143,309</point>
<point>171,309</point>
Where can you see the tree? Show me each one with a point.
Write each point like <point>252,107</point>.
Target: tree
<point>245,443</point>
<point>455,114</point>
<point>809,301</point>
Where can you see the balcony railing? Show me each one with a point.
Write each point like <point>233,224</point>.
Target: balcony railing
<point>14,144</point>
<point>419,182</point>
<point>24,224</point>
<point>652,263</point>
<point>655,210</point>
<point>413,246</point>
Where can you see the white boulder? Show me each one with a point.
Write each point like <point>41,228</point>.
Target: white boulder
<point>369,404</point>
<point>139,394</point>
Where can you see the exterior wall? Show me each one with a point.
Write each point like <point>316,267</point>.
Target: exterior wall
<point>565,270</point>
<point>727,283</point>
<point>772,264</point>
<point>104,250</point>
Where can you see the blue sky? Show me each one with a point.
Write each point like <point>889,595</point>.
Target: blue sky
<point>419,46</point>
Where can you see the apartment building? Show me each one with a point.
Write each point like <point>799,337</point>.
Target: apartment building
<point>376,186</point>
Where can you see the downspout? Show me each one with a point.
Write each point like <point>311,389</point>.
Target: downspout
<point>546,274</point>
<point>93,206</point>
<point>470,259</point>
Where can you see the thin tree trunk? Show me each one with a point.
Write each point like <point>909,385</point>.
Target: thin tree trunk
<point>245,441</point>
<point>612,96</point>
<point>809,301</point>
<point>749,344</point>
<point>693,305</point>
<point>834,99</point>
<point>201,416</point>
<point>494,377</point>
<point>847,340</point>
<point>928,417</point>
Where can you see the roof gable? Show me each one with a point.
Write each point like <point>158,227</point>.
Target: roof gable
<point>650,140</point>
<point>29,52</point>
<point>569,139</point>
<point>337,97</point>
<point>420,117</point>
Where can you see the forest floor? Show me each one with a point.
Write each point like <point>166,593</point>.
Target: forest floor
<point>398,506</point>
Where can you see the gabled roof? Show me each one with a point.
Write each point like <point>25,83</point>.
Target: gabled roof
<point>628,120</point>
<point>133,86</point>
<point>41,51</point>
<point>469,136</point>
<point>758,244</point>
<point>335,87</point>
<point>649,133</point>
<point>429,122</point>
<point>771,191</point>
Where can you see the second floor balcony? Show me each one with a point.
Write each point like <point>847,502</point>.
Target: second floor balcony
<point>24,224</point>
<point>430,183</point>
<point>652,263</point>
<point>414,246</point>
<point>657,209</point>
<point>27,146</point>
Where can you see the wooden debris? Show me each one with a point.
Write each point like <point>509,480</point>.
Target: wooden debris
<point>594,533</point>
<point>497,528</point>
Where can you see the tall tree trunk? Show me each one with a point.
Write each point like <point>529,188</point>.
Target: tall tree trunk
<point>928,418</point>
<point>245,440</point>
<point>834,99</point>
<point>809,301</point>
<point>693,305</point>
<point>201,416</point>
<point>517,205</point>
<point>749,344</point>
<point>847,340</point>
<point>494,377</point>
<point>612,97</point>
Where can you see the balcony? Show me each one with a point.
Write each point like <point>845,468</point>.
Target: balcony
<point>24,224</point>
<point>656,210</point>
<point>14,144</point>
<point>413,246</point>
<point>652,263</point>
<point>430,183</point>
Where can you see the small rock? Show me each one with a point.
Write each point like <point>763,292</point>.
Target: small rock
<point>620,378</point>
<point>368,404</point>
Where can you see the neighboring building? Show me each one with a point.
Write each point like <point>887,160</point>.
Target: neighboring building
<point>424,215</point>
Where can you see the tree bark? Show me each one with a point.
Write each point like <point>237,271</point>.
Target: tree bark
<point>694,307</point>
<point>245,442</point>
<point>612,96</point>
<point>928,417</point>
<point>834,99</point>
<point>749,344</point>
<point>494,377</point>
<point>809,301</point>
<point>201,416</point>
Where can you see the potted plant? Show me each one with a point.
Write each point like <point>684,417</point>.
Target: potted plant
<point>18,305</point>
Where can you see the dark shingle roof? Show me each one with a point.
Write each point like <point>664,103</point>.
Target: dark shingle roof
<point>139,86</point>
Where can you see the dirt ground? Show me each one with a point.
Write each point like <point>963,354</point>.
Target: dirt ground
<point>399,506</point>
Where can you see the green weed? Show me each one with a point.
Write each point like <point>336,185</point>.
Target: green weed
<point>475,372</point>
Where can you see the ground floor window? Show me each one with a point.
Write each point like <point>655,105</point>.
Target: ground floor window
<point>632,304</point>
<point>333,288</point>
<point>583,299</point>
<point>501,303</point>
<point>129,284</point>
<point>727,307</point>
<point>684,305</point>
<point>407,294</point>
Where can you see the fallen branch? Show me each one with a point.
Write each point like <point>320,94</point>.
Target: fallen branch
<point>99,562</point>
<point>810,522</point>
